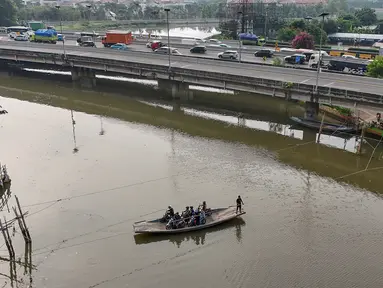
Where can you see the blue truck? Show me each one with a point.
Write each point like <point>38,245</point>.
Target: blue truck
<point>45,36</point>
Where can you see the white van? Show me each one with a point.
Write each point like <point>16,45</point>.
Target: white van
<point>189,42</point>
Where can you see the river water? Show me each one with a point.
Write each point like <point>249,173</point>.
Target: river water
<point>300,230</point>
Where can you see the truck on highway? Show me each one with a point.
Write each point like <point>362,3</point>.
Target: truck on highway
<point>36,25</point>
<point>114,37</point>
<point>45,36</point>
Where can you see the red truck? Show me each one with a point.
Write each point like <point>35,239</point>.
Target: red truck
<point>114,37</point>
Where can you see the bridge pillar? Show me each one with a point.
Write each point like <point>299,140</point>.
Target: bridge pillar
<point>311,109</point>
<point>178,90</point>
<point>84,76</point>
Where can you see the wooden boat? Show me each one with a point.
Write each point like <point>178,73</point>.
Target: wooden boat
<point>218,216</point>
<point>328,127</point>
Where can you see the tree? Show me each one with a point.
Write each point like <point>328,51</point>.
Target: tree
<point>366,16</point>
<point>330,26</point>
<point>229,29</point>
<point>375,68</point>
<point>298,24</point>
<point>7,13</point>
<point>315,30</point>
<point>286,34</point>
<point>303,40</point>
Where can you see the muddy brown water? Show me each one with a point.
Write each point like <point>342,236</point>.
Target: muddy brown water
<point>300,230</point>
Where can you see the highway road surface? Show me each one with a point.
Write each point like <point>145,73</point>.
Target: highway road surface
<point>212,52</point>
<point>340,81</point>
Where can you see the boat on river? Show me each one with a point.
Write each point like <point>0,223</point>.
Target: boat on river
<point>328,127</point>
<point>217,217</point>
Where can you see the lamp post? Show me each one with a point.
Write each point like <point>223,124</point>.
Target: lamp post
<point>240,13</point>
<point>324,14</point>
<point>167,24</point>
<point>61,28</point>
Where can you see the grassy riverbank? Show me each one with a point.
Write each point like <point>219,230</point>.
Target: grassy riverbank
<point>321,159</point>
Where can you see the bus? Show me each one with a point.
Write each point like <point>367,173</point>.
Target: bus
<point>18,29</point>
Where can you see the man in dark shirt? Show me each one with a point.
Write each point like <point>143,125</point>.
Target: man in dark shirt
<point>239,204</point>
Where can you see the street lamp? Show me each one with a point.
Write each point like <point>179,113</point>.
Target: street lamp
<point>61,28</point>
<point>324,14</point>
<point>240,13</point>
<point>167,24</point>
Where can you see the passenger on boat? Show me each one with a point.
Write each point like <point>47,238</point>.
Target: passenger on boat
<point>170,211</point>
<point>202,217</point>
<point>198,216</point>
<point>177,216</point>
<point>186,213</point>
<point>192,212</point>
<point>204,206</point>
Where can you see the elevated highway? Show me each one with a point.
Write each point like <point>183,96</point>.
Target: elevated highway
<point>334,88</point>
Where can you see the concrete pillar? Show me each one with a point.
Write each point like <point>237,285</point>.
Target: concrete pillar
<point>85,77</point>
<point>311,109</point>
<point>177,90</point>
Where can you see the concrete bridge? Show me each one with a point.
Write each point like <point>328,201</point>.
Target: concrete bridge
<point>338,89</point>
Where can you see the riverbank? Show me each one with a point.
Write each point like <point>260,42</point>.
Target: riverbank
<point>304,154</point>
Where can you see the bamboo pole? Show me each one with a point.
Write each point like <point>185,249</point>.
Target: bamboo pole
<point>361,140</point>
<point>23,220</point>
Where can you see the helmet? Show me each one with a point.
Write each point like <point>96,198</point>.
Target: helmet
<point>187,207</point>
<point>204,202</point>
<point>191,207</point>
<point>169,207</point>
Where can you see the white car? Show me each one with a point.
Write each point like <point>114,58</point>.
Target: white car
<point>164,50</point>
<point>12,35</point>
<point>220,45</point>
<point>21,38</point>
<point>229,54</point>
<point>214,41</point>
<point>349,57</point>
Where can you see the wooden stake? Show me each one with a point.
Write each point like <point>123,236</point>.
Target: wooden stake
<point>320,128</point>
<point>6,240</point>
<point>9,239</point>
<point>361,140</point>
<point>22,228</point>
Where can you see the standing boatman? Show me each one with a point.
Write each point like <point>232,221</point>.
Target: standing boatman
<point>239,204</point>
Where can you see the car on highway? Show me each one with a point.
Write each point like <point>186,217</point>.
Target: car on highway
<point>296,59</point>
<point>12,35</point>
<point>157,44</point>
<point>198,49</point>
<point>119,46</point>
<point>200,40</point>
<point>228,54</point>
<point>60,37</point>
<point>220,45</point>
<point>264,53</point>
<point>349,57</point>
<point>213,41</point>
<point>149,44</point>
<point>21,38</point>
<point>165,50</point>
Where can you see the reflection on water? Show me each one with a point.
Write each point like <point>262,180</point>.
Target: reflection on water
<point>342,141</point>
<point>198,237</point>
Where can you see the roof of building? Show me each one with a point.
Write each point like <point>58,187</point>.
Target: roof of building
<point>356,36</point>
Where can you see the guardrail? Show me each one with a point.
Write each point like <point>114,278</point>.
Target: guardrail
<point>232,78</point>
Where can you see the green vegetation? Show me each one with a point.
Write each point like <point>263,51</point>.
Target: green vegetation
<point>375,68</point>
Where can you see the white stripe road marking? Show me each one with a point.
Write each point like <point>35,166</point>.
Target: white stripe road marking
<point>304,81</point>
<point>186,66</point>
<point>329,84</point>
